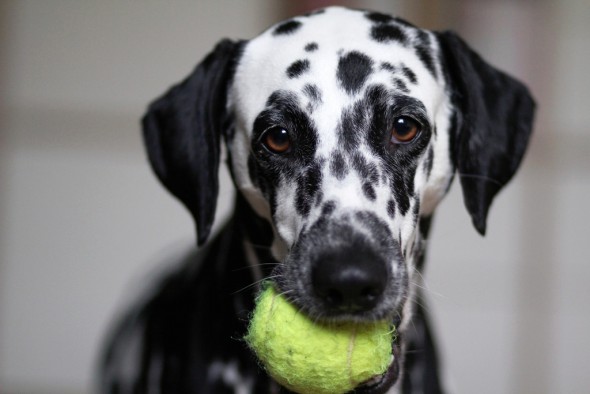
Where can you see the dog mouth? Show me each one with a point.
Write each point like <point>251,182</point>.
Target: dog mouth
<point>380,384</point>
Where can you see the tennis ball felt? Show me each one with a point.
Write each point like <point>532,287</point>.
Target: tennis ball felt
<point>310,357</point>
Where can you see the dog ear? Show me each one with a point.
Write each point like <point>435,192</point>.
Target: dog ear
<point>494,122</point>
<point>182,132</point>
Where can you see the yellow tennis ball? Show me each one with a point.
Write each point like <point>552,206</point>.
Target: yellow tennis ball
<point>310,357</point>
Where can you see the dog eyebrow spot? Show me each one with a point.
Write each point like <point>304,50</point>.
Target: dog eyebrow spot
<point>298,68</point>
<point>388,33</point>
<point>353,70</point>
<point>409,74</point>
<point>400,85</point>
<point>280,98</point>
<point>286,28</point>
<point>312,46</point>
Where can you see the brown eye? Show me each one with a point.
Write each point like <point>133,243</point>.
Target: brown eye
<point>404,130</point>
<point>276,139</point>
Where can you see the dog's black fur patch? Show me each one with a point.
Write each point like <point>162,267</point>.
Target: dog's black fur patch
<point>311,47</point>
<point>338,166</point>
<point>378,17</point>
<point>388,33</point>
<point>409,74</point>
<point>425,53</point>
<point>313,93</point>
<point>287,28</point>
<point>308,185</point>
<point>353,70</point>
<point>297,68</point>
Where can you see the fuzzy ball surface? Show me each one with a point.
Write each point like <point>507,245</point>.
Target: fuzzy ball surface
<point>310,357</point>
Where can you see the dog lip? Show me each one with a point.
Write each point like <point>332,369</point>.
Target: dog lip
<point>388,378</point>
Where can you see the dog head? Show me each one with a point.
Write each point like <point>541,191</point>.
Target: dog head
<point>344,130</point>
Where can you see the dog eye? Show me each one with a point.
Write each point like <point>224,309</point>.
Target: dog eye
<point>404,130</point>
<point>276,139</point>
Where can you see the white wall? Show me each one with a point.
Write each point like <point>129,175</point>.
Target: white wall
<point>83,221</point>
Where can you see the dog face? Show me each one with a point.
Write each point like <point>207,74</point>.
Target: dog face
<point>335,136</point>
<point>344,130</point>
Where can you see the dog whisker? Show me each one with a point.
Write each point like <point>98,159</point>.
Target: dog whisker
<point>256,283</point>
<point>481,177</point>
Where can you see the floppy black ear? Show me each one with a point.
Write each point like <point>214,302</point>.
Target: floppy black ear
<point>494,121</point>
<point>182,132</point>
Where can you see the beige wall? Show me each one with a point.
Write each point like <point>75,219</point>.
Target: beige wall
<point>83,223</point>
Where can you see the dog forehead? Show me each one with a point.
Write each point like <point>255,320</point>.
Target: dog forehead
<point>331,54</point>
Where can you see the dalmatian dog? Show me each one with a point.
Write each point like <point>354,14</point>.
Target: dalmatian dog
<point>344,130</point>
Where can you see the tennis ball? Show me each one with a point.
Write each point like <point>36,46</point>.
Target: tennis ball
<point>306,356</point>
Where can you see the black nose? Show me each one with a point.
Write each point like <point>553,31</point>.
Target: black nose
<point>349,280</point>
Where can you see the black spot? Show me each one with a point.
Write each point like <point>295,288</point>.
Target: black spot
<point>314,94</point>
<point>367,171</point>
<point>378,17</point>
<point>387,66</point>
<point>425,53</point>
<point>308,184</point>
<point>298,68</point>
<point>391,208</point>
<point>409,74</point>
<point>352,126</point>
<point>400,85</point>
<point>338,166</point>
<point>288,27</point>
<point>426,58</point>
<point>377,225</point>
<point>328,208</point>
<point>369,191</point>
<point>388,33</point>
<point>429,162</point>
<point>353,70</point>
<point>312,46</point>
<point>416,208</point>
<point>401,192</point>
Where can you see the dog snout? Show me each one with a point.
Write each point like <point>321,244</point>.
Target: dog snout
<point>350,279</point>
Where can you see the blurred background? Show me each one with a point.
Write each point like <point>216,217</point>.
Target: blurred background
<point>84,223</point>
